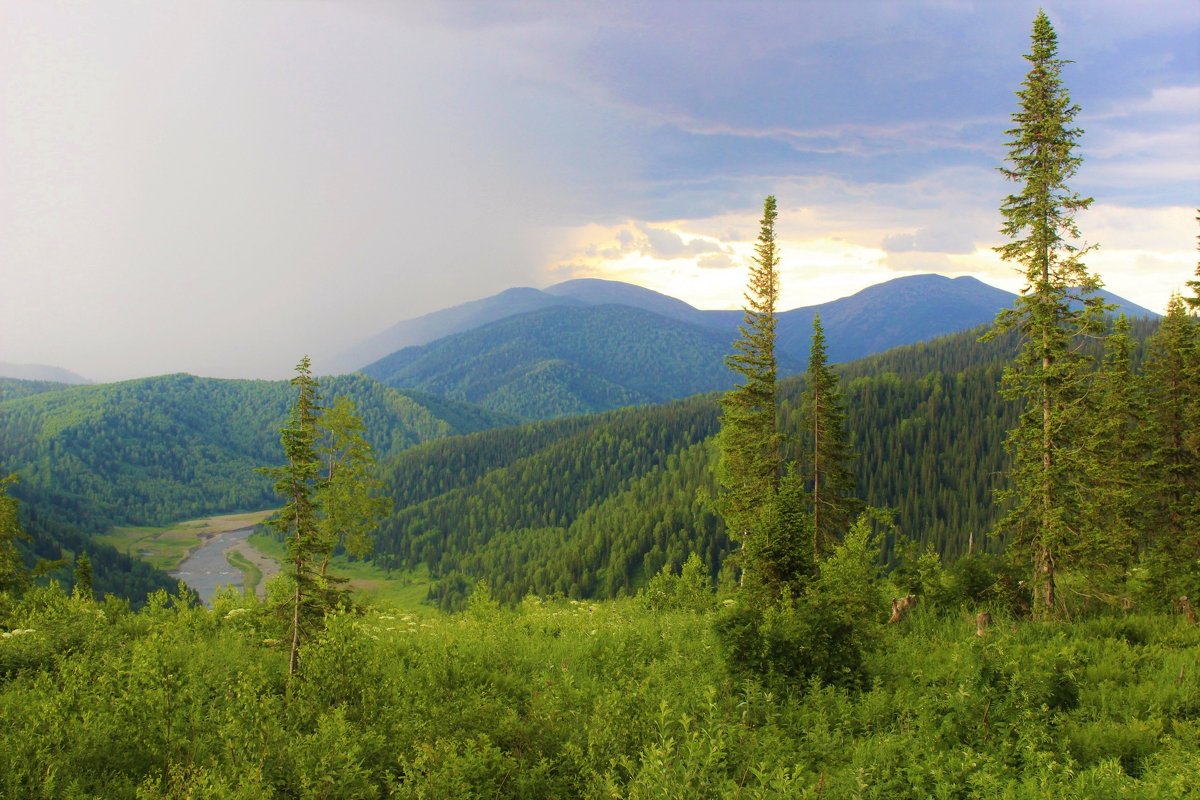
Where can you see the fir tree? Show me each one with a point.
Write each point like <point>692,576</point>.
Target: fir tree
<point>1050,373</point>
<point>830,482</point>
<point>750,461</point>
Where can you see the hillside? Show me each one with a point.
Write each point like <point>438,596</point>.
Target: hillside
<point>592,506</point>
<point>160,449</point>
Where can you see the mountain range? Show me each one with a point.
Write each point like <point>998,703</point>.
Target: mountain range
<point>593,345</point>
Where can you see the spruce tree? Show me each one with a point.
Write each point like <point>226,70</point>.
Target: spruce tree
<point>829,480</point>
<point>14,576</point>
<point>1114,448</point>
<point>750,461</point>
<point>1194,301</point>
<point>83,578</point>
<point>332,499</point>
<point>1056,310</point>
<point>1172,471</point>
<point>297,521</point>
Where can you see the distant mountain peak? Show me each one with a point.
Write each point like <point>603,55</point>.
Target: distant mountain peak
<point>40,372</point>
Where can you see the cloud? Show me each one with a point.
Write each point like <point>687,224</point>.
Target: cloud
<point>667,244</point>
<point>302,175</point>
<point>947,238</point>
<point>716,261</point>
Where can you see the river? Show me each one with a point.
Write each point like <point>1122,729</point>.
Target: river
<point>207,567</point>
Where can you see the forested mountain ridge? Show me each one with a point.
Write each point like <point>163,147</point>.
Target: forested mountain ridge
<point>592,345</point>
<point>900,311</point>
<point>566,360</point>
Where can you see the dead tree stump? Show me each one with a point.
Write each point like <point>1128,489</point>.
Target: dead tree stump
<point>1187,609</point>
<point>901,606</point>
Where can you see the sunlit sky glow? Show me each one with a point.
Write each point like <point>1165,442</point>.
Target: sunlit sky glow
<point>220,187</point>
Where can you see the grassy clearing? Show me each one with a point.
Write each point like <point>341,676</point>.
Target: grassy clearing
<point>251,575</point>
<point>403,590</point>
<point>166,547</point>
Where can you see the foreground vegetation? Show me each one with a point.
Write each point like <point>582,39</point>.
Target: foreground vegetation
<point>632,698</point>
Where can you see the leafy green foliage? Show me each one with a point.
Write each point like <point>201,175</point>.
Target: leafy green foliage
<point>582,700</point>
<point>13,574</point>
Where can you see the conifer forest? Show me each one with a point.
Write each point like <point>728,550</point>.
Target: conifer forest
<point>965,568</point>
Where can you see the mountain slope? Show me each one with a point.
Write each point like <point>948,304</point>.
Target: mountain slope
<point>900,311</point>
<point>892,314</point>
<point>566,360</point>
<point>160,449</point>
<point>593,506</point>
<point>581,354</point>
<point>446,322</point>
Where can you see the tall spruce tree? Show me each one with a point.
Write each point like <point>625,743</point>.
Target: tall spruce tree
<point>1114,443</point>
<point>1172,471</point>
<point>1056,310</point>
<point>297,482</point>
<point>829,479</point>
<point>749,469</point>
<point>1194,301</point>
<point>332,500</point>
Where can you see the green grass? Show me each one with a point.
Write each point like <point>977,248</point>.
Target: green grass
<point>166,547</point>
<point>403,590</point>
<point>251,574</point>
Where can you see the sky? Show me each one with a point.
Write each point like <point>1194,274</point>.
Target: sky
<point>222,187</point>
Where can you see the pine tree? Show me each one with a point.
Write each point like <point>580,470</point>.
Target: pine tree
<point>750,461</point>
<point>1172,471</point>
<point>829,480</point>
<point>1051,372</point>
